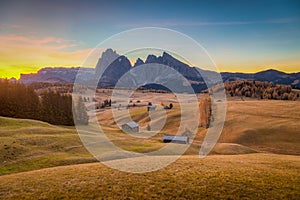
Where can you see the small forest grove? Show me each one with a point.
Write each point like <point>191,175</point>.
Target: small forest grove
<point>20,101</point>
<point>260,90</point>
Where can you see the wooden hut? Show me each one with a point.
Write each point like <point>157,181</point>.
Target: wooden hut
<point>131,127</point>
<point>175,139</point>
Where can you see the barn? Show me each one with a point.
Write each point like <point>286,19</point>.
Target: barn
<point>132,127</point>
<point>175,139</point>
<point>150,107</point>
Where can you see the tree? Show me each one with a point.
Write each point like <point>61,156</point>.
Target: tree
<point>48,108</point>
<point>148,127</point>
<point>205,111</point>
<point>258,89</point>
<point>81,116</point>
<point>292,97</point>
<point>57,108</point>
<point>31,104</point>
<point>17,100</point>
<point>285,96</point>
<point>20,101</point>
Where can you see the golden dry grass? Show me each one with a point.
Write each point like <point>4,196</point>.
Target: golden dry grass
<point>263,126</point>
<point>28,145</point>
<point>271,126</point>
<point>251,126</point>
<point>254,176</point>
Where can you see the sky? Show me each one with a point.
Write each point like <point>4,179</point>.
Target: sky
<point>240,36</point>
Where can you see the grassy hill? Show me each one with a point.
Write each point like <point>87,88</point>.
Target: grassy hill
<point>271,126</point>
<point>239,171</point>
<point>28,145</point>
<point>253,176</point>
<point>251,126</point>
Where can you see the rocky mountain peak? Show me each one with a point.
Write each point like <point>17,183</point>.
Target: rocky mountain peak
<point>167,56</point>
<point>111,66</point>
<point>138,62</point>
<point>151,59</point>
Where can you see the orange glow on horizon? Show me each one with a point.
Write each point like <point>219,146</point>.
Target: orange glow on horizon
<point>20,54</point>
<point>16,71</point>
<point>23,55</point>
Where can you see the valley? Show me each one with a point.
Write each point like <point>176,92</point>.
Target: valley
<point>257,156</point>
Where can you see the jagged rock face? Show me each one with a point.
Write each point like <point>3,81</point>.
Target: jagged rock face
<point>118,65</point>
<point>138,62</point>
<point>106,59</point>
<point>167,59</point>
<point>113,65</point>
<point>151,59</point>
<point>184,69</point>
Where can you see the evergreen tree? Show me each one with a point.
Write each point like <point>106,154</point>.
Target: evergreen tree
<point>20,101</point>
<point>17,100</point>
<point>148,127</point>
<point>81,116</point>
<point>57,109</point>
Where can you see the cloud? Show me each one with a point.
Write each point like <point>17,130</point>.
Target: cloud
<point>23,41</point>
<point>11,26</point>
<point>217,23</point>
<point>20,53</point>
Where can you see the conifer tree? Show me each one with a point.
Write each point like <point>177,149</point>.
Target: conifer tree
<point>80,113</point>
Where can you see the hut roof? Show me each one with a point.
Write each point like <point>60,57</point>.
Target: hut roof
<point>132,124</point>
<point>175,138</point>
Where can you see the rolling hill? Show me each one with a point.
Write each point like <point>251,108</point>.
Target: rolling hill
<point>27,145</point>
<point>256,158</point>
<point>250,127</point>
<point>255,176</point>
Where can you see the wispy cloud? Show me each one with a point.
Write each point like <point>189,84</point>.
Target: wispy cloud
<point>10,26</point>
<point>20,53</point>
<point>172,23</point>
<point>24,41</point>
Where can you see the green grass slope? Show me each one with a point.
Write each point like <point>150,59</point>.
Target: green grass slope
<point>28,144</point>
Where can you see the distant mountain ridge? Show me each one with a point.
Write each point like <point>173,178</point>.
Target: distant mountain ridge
<point>271,75</point>
<point>120,65</point>
<point>56,75</point>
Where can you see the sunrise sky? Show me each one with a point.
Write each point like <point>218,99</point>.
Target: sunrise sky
<point>240,36</point>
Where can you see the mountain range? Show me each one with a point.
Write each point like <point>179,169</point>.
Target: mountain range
<point>120,64</point>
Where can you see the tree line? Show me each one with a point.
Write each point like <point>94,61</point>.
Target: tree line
<point>205,111</point>
<point>260,90</point>
<point>20,101</point>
